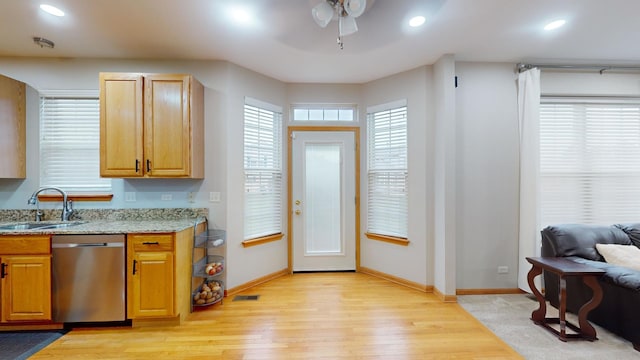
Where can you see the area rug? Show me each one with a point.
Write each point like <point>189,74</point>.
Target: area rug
<point>509,317</point>
<point>19,345</point>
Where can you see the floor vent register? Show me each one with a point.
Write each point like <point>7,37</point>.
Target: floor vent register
<point>245,297</point>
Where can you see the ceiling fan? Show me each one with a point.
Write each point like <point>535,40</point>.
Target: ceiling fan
<point>345,11</point>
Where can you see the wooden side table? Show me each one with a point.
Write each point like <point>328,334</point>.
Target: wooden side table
<point>565,268</point>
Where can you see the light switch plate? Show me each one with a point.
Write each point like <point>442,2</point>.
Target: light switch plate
<point>129,196</point>
<point>214,196</point>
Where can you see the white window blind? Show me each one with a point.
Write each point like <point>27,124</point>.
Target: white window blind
<point>70,145</point>
<point>263,171</point>
<point>589,156</point>
<point>387,172</point>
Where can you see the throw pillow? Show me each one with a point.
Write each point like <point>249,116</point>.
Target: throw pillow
<point>621,255</point>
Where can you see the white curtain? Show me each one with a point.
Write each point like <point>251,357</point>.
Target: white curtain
<point>529,120</point>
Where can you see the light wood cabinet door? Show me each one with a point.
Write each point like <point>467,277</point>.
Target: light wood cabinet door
<point>26,288</point>
<point>12,128</point>
<point>152,125</point>
<point>153,285</point>
<point>150,276</point>
<point>167,142</point>
<point>121,125</point>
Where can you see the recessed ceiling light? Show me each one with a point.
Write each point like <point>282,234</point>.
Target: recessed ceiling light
<point>240,16</point>
<point>51,10</point>
<point>554,24</point>
<point>416,21</point>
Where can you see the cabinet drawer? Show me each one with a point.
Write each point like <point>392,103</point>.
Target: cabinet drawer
<point>20,244</point>
<point>160,242</point>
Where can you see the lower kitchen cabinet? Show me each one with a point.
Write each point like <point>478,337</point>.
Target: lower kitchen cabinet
<point>25,287</point>
<point>158,275</point>
<point>152,284</point>
<point>158,278</point>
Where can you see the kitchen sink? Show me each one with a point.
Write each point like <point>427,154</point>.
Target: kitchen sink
<point>39,225</point>
<point>24,226</point>
<point>60,225</point>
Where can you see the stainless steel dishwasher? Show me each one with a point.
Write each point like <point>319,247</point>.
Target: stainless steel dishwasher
<point>88,278</point>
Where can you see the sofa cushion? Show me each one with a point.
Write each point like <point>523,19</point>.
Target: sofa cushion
<point>633,230</point>
<point>621,255</point>
<point>614,274</point>
<point>580,240</point>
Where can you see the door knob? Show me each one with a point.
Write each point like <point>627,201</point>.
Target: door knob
<point>297,202</point>
<point>297,212</point>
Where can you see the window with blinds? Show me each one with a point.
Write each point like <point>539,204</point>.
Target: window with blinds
<point>70,145</point>
<point>589,156</point>
<point>263,170</point>
<point>387,171</point>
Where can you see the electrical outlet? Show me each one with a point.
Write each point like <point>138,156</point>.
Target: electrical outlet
<point>191,197</point>
<point>129,196</point>
<point>214,196</point>
<point>503,269</point>
<point>166,197</point>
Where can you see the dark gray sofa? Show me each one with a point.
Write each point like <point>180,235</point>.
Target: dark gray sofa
<point>619,311</point>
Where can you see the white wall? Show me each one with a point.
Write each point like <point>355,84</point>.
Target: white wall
<point>225,87</point>
<point>487,175</point>
<point>483,167</point>
<point>326,94</point>
<point>412,262</point>
<point>257,261</point>
<point>70,74</point>
<point>589,83</point>
<point>444,176</point>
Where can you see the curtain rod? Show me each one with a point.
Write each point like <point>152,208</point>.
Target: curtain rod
<point>600,68</point>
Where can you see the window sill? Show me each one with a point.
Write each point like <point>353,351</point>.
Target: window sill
<point>75,197</point>
<point>262,240</point>
<point>388,239</point>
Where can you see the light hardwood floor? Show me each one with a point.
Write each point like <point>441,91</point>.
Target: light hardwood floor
<point>303,316</point>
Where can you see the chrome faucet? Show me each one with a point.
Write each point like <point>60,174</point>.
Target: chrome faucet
<point>67,207</point>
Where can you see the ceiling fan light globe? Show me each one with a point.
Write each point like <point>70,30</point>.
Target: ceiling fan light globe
<point>355,8</point>
<point>322,14</point>
<point>347,25</point>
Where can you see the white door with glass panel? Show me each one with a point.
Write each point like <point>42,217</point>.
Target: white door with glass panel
<point>323,201</point>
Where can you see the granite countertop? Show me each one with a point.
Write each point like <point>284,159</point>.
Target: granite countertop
<point>107,221</point>
<point>107,227</point>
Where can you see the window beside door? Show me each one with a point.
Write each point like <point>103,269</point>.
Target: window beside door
<point>387,171</point>
<point>262,169</point>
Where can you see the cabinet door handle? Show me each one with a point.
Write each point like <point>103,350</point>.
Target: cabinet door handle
<point>148,165</point>
<point>3,271</point>
<point>137,165</point>
<point>150,243</point>
<point>134,267</point>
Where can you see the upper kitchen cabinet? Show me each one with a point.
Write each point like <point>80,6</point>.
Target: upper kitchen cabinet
<point>12,129</point>
<point>151,125</point>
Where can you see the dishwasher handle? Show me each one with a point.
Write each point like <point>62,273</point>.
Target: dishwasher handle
<point>76,245</point>
<point>3,271</point>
